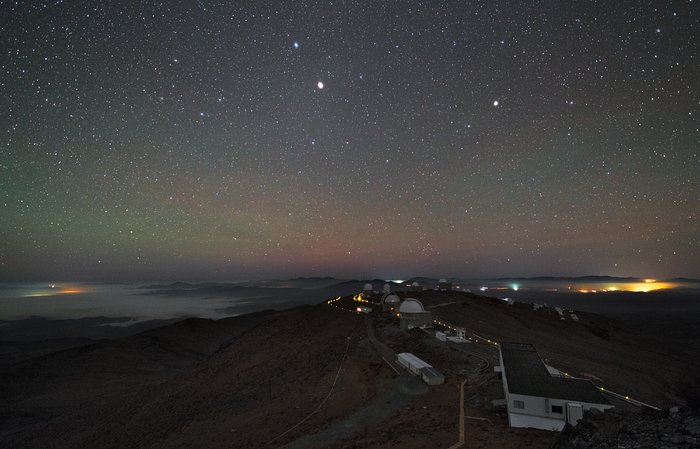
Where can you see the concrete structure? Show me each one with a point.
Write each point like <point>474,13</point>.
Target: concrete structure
<point>459,335</point>
<point>444,286</point>
<point>537,399</point>
<point>419,367</point>
<point>413,314</point>
<point>390,302</point>
<point>431,376</point>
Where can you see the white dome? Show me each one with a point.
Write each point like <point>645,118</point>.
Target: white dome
<point>415,284</point>
<point>368,287</point>
<point>442,281</point>
<point>392,299</point>
<point>411,305</point>
<point>387,288</point>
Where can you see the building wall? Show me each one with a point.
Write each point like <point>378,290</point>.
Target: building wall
<point>419,319</point>
<point>433,380</point>
<point>535,422</point>
<point>538,411</point>
<point>406,364</point>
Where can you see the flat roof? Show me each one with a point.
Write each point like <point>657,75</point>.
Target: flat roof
<point>413,360</point>
<point>527,375</point>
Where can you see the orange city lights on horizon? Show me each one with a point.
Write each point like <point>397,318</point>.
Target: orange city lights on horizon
<point>55,290</point>
<point>647,285</point>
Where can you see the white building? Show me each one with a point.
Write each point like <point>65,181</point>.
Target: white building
<point>386,289</point>
<point>419,367</point>
<point>412,314</point>
<point>368,288</point>
<point>459,335</point>
<point>537,399</point>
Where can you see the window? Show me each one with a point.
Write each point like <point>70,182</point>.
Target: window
<point>518,404</point>
<point>557,409</point>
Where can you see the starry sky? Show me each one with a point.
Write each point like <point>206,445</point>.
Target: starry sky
<point>207,139</point>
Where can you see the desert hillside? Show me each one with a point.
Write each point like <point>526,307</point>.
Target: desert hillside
<point>314,376</point>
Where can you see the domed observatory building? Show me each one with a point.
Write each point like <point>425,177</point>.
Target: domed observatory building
<point>390,302</point>
<point>444,286</point>
<point>416,287</point>
<point>386,289</point>
<point>413,314</point>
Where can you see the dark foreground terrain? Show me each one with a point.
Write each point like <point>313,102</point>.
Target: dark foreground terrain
<point>315,376</point>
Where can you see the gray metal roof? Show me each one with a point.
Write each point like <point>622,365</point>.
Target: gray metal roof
<point>413,360</point>
<point>527,375</point>
<point>431,372</point>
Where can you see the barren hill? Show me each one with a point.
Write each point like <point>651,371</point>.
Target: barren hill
<point>312,377</point>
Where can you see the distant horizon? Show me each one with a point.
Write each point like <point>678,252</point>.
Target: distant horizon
<point>201,280</point>
<point>443,138</point>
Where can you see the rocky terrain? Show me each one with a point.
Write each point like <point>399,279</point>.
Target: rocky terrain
<point>651,430</point>
<point>311,377</point>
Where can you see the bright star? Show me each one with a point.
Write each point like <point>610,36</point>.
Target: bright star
<point>320,85</point>
<point>296,44</point>
<point>495,103</point>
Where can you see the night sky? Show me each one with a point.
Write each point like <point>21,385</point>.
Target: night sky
<point>249,139</point>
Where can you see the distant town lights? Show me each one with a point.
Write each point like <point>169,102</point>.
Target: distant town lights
<point>515,287</point>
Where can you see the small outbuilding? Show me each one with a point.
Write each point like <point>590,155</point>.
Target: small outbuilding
<point>431,376</point>
<point>419,367</point>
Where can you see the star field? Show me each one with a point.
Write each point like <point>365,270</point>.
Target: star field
<point>214,139</point>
